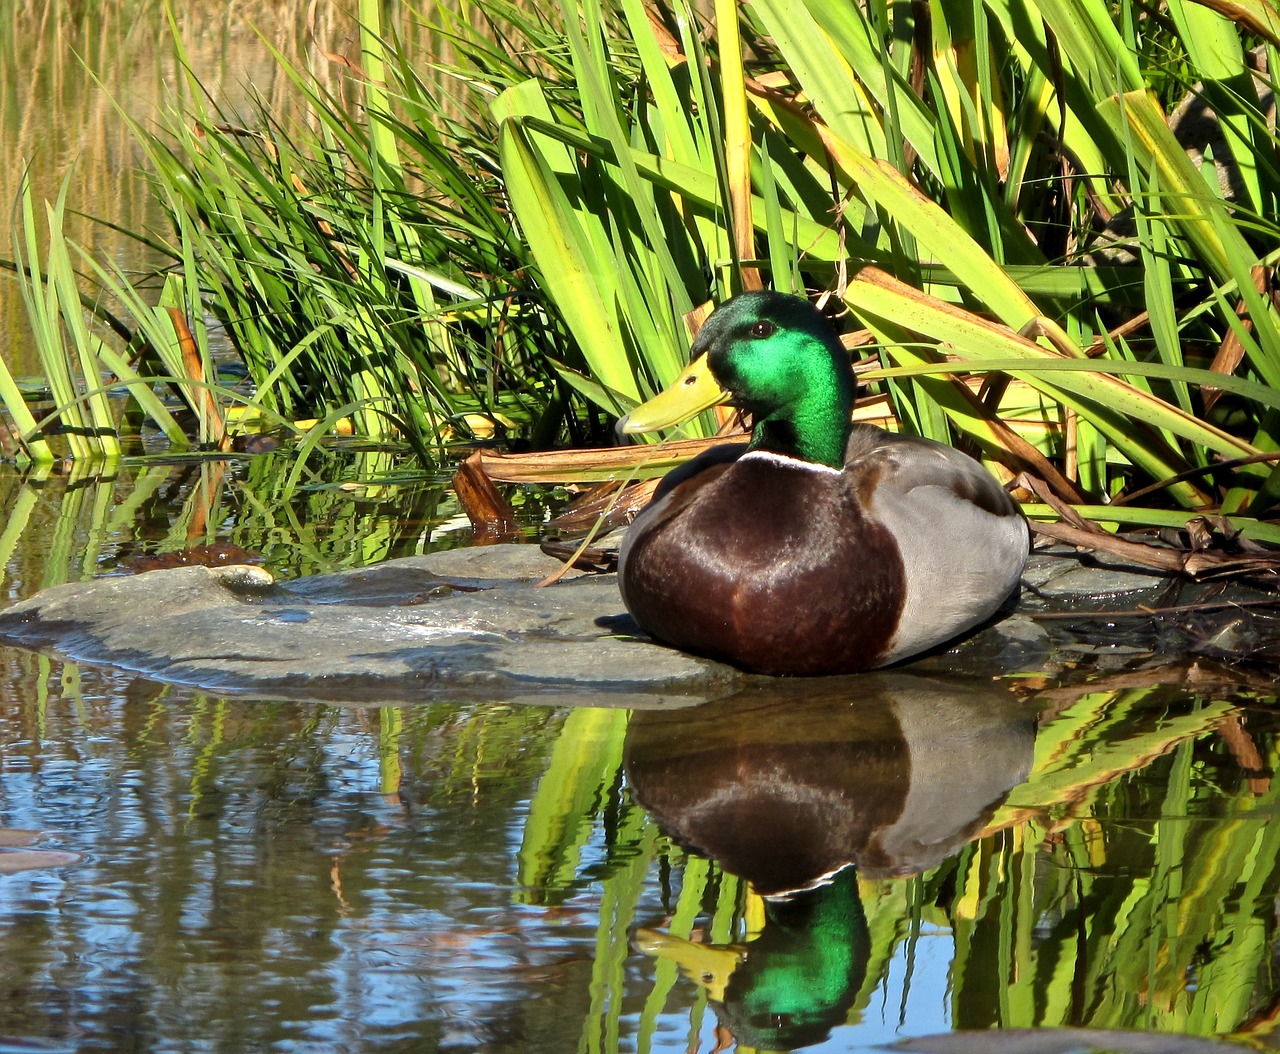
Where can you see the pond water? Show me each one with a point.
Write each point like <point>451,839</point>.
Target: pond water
<point>1090,848</point>
<point>1086,848</point>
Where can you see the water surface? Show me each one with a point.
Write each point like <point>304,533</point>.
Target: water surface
<point>1088,847</point>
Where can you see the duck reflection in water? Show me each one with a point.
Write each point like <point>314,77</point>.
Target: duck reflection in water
<point>801,788</point>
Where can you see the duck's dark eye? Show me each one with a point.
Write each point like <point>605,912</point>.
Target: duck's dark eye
<point>763,329</point>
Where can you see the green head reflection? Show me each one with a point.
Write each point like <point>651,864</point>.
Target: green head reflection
<point>790,985</point>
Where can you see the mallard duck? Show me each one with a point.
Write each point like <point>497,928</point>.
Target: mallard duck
<point>820,546</point>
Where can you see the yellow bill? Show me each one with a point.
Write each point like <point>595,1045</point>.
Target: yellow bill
<point>692,392</point>
<point>708,965</point>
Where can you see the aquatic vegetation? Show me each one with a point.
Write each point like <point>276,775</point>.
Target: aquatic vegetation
<point>1058,260</point>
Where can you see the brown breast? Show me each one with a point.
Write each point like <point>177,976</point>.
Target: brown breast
<point>768,565</point>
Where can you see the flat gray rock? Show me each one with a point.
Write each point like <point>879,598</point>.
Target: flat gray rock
<point>472,623</point>
<point>451,624</point>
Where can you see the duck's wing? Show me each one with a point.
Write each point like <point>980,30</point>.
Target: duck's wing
<point>895,465</point>
<point>963,539</point>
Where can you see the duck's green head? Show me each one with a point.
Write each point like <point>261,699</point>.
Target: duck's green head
<point>778,358</point>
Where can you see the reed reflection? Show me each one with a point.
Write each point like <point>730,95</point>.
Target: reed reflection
<point>800,788</point>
